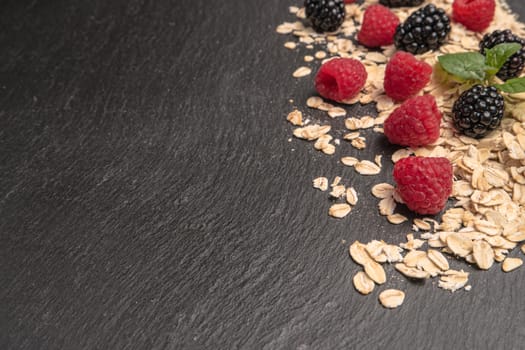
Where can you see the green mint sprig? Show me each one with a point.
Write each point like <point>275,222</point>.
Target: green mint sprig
<point>483,68</point>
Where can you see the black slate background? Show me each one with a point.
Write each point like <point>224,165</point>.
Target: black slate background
<point>150,199</point>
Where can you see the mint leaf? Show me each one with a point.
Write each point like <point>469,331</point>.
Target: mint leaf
<point>496,56</point>
<point>465,65</point>
<point>512,86</point>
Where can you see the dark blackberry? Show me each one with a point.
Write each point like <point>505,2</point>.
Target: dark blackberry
<point>424,30</point>
<point>325,15</point>
<point>401,3</point>
<point>514,65</point>
<point>478,111</point>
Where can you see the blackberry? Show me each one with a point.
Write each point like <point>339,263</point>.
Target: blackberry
<point>401,3</point>
<point>424,30</point>
<point>514,65</point>
<point>325,15</point>
<point>478,111</point>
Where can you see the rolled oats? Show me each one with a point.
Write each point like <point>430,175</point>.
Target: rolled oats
<point>301,72</point>
<point>483,254</point>
<point>320,183</point>
<point>439,259</point>
<point>362,283</point>
<point>510,264</point>
<point>339,210</point>
<point>411,272</point>
<point>391,298</point>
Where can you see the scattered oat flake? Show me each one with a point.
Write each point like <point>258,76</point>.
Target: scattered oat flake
<point>290,45</point>
<point>301,72</point>
<point>320,55</point>
<point>510,264</point>
<point>359,142</point>
<point>314,101</point>
<point>351,196</point>
<point>321,183</point>
<point>336,181</point>
<point>338,191</point>
<point>358,253</point>
<point>391,298</point>
<point>411,258</point>
<point>411,272</point>
<point>349,161</point>
<point>366,167</point>
<point>483,254</point>
<point>387,206</point>
<point>375,271</point>
<point>459,244</point>
<point>351,135</point>
<point>438,258</point>
<point>295,117</point>
<point>335,112</point>
<point>362,283</point>
<point>382,190</point>
<point>308,58</point>
<point>422,225</point>
<point>311,132</point>
<point>293,9</point>
<point>339,210</point>
<point>453,280</point>
<point>396,218</point>
<point>400,154</point>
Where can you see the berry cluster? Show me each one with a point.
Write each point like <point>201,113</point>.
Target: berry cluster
<point>424,184</point>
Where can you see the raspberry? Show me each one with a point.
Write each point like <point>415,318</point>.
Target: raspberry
<point>405,76</point>
<point>340,79</point>
<point>424,30</point>
<point>349,1</point>
<point>378,28</point>
<point>424,183</point>
<point>478,111</point>
<point>325,15</point>
<point>475,15</point>
<point>415,123</point>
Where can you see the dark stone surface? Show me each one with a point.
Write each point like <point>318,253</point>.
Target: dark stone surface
<point>150,199</point>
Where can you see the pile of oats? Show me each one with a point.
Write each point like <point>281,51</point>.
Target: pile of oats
<point>488,218</point>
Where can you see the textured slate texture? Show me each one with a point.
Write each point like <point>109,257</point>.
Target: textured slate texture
<point>150,199</point>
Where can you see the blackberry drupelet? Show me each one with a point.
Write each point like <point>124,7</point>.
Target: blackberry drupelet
<point>325,15</point>
<point>478,110</point>
<point>514,65</point>
<point>401,3</point>
<point>424,30</point>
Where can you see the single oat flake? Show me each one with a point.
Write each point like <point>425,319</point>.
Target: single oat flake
<point>391,298</point>
<point>363,283</point>
<point>339,210</point>
<point>510,264</point>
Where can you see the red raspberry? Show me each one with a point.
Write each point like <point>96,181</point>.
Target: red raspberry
<point>415,123</point>
<point>340,79</point>
<point>378,27</point>
<point>424,183</point>
<point>405,76</point>
<point>476,15</point>
<point>349,1</point>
